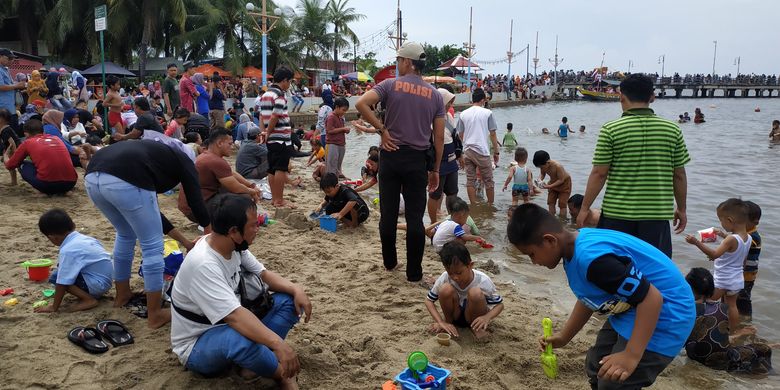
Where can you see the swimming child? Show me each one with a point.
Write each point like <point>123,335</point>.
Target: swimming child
<point>582,128</point>
<point>564,129</point>
<point>451,229</point>
<point>686,116</point>
<point>698,116</point>
<point>750,271</point>
<point>521,176</point>
<point>342,202</point>
<point>709,342</point>
<point>509,138</point>
<point>559,186</point>
<point>774,134</point>
<point>729,256</point>
<point>575,204</point>
<point>682,119</point>
<point>84,268</point>
<point>651,308</point>
<point>545,130</point>
<point>468,298</point>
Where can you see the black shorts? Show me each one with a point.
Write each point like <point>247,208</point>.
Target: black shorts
<point>461,321</point>
<point>278,157</point>
<point>448,184</point>
<point>655,232</point>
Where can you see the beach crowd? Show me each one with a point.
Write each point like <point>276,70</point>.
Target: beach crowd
<point>226,309</point>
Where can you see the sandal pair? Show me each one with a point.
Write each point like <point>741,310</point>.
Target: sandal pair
<point>91,339</point>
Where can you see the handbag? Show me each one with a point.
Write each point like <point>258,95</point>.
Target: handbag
<point>254,294</point>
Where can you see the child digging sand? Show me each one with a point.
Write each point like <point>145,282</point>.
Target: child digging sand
<point>523,182</point>
<point>468,298</point>
<point>729,256</point>
<point>452,229</point>
<point>559,186</point>
<point>84,268</point>
<point>342,202</point>
<point>651,308</point>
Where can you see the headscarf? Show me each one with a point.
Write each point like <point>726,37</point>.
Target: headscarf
<point>52,82</point>
<point>244,118</point>
<point>36,75</point>
<point>197,78</point>
<point>68,116</point>
<point>29,112</point>
<point>21,77</point>
<point>74,78</point>
<point>53,117</point>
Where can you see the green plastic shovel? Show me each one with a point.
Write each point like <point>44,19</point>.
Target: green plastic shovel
<point>549,360</point>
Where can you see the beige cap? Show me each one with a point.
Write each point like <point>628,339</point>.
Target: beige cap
<point>411,50</point>
<point>446,95</point>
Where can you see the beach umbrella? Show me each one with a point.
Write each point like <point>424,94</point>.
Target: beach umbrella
<point>440,79</point>
<point>209,69</point>
<point>357,76</point>
<point>388,72</point>
<point>111,68</point>
<point>252,72</point>
<point>459,62</point>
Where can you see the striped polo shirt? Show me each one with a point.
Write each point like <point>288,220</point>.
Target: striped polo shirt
<point>642,151</point>
<point>273,102</point>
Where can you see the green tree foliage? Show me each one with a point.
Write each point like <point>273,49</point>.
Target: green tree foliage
<point>341,15</point>
<point>435,56</point>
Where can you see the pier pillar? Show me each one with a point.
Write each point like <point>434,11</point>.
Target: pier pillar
<point>678,92</point>
<point>759,92</point>
<point>745,93</point>
<point>711,92</point>
<point>695,92</point>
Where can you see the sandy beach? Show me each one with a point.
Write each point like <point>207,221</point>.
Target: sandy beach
<point>365,320</point>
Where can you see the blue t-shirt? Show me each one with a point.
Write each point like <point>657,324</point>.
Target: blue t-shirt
<point>678,311</point>
<point>217,100</point>
<point>7,98</point>
<point>203,100</point>
<point>81,254</point>
<point>563,130</point>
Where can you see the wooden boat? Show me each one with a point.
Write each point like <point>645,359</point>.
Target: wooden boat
<point>598,96</point>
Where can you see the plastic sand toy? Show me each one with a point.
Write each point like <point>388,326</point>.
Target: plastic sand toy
<point>40,304</point>
<point>11,302</point>
<point>48,293</point>
<point>6,291</point>
<point>484,244</point>
<point>549,360</point>
<point>420,374</point>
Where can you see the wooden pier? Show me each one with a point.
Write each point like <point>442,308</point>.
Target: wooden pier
<point>670,89</point>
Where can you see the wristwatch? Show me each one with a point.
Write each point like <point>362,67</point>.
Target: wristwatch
<point>380,130</point>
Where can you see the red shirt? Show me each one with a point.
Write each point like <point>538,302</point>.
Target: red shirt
<point>335,122</point>
<point>187,93</point>
<point>49,155</point>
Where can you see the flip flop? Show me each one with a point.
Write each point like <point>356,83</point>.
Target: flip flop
<point>137,306</point>
<point>115,332</point>
<point>87,338</point>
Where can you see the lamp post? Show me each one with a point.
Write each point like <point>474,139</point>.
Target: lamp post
<point>662,61</point>
<point>737,62</point>
<point>629,65</point>
<point>555,62</point>
<point>263,28</point>
<point>714,55</point>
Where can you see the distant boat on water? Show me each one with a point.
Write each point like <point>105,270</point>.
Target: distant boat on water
<point>598,96</point>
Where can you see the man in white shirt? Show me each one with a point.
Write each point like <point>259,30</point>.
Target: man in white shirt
<point>210,329</point>
<point>476,126</point>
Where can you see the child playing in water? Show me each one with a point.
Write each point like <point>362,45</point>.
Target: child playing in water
<point>509,138</point>
<point>729,256</point>
<point>575,204</point>
<point>342,202</point>
<point>521,176</point>
<point>582,128</point>
<point>84,268</point>
<point>559,186</point>
<point>651,308</point>
<point>468,298</point>
<point>774,135</point>
<point>451,229</point>
<point>744,303</point>
<point>564,129</point>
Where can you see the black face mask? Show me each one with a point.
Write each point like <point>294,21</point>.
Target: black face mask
<point>244,245</point>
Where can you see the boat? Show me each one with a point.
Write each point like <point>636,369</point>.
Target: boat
<point>598,96</point>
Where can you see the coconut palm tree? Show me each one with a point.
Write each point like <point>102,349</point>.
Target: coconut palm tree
<point>211,24</point>
<point>30,15</point>
<point>341,15</point>
<point>310,27</point>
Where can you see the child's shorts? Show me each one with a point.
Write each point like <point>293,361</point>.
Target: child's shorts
<point>80,282</point>
<point>461,321</point>
<point>520,190</point>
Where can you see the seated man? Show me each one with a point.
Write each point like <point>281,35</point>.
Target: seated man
<point>204,297</point>
<point>49,169</point>
<point>252,158</point>
<point>216,175</point>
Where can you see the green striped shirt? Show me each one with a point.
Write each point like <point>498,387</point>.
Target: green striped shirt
<point>642,151</point>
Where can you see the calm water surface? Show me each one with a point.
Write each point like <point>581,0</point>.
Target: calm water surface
<point>730,157</point>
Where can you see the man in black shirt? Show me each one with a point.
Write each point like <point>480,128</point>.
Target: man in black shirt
<point>145,121</point>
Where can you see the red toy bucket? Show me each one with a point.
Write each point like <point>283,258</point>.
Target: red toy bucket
<point>38,270</point>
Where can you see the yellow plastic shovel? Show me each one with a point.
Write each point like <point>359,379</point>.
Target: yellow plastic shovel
<point>549,360</point>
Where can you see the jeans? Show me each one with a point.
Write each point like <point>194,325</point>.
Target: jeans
<point>403,171</point>
<point>297,101</point>
<point>136,216</point>
<point>30,175</point>
<point>220,347</point>
<point>60,103</point>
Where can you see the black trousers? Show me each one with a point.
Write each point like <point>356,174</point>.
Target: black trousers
<point>403,172</point>
<point>655,232</point>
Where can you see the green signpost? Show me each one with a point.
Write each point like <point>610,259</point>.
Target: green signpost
<point>100,26</point>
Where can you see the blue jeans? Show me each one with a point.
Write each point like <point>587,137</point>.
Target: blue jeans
<point>136,216</point>
<point>30,175</point>
<point>220,347</point>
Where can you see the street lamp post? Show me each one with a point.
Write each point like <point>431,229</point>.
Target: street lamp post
<point>714,55</point>
<point>737,62</point>
<point>263,28</point>
<point>662,61</point>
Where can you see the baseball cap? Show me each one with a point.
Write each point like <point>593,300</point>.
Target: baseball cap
<point>411,50</point>
<point>7,53</point>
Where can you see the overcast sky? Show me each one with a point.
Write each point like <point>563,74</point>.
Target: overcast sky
<point>683,30</point>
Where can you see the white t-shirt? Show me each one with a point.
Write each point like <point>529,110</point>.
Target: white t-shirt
<point>206,284</point>
<point>476,123</point>
<point>480,280</point>
<point>445,232</point>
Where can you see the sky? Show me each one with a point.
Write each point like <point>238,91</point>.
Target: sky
<point>682,30</point>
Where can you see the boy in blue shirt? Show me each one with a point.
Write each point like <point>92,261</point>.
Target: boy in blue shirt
<point>651,309</point>
<point>84,268</point>
<point>563,129</point>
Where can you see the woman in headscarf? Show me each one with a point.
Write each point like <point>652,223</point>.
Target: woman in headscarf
<point>55,92</point>
<point>81,86</point>
<point>244,124</point>
<point>203,97</point>
<point>52,122</point>
<point>36,88</point>
<point>158,93</point>
<point>72,129</point>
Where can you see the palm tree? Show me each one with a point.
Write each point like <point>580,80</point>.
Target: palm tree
<point>311,30</point>
<point>212,23</point>
<point>152,13</point>
<point>30,16</point>
<point>341,15</point>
